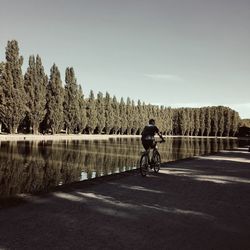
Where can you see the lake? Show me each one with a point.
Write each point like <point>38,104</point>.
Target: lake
<point>35,166</point>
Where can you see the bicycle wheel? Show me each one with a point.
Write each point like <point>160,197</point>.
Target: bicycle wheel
<point>157,161</point>
<point>144,165</point>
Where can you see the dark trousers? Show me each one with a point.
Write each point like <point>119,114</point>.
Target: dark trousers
<point>147,144</point>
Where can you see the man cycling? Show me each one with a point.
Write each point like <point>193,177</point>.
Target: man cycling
<point>148,133</point>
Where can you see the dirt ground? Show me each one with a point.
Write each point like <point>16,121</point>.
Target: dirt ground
<point>201,203</point>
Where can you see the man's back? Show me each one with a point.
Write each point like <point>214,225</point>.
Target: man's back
<point>149,132</point>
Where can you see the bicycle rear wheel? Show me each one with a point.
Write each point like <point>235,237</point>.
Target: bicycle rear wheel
<point>144,165</point>
<point>157,161</point>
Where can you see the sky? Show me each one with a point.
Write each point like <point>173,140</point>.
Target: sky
<point>178,53</point>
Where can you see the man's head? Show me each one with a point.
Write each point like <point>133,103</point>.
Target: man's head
<point>151,122</point>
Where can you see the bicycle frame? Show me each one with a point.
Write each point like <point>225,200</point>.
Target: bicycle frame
<point>146,162</point>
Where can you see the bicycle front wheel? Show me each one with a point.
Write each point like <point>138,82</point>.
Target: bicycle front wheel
<point>157,161</point>
<point>144,165</point>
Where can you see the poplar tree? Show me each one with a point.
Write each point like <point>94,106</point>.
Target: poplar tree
<point>17,108</point>
<point>2,97</point>
<point>228,114</point>
<point>55,98</point>
<point>135,118</point>
<point>221,118</point>
<point>91,113</point>
<point>35,83</point>
<point>202,121</point>
<point>207,121</point>
<point>154,113</point>
<point>142,120</point>
<point>129,113</point>
<point>160,118</point>
<point>6,98</point>
<point>123,115</point>
<point>149,112</point>
<point>71,102</point>
<point>169,120</point>
<point>191,126</point>
<point>183,121</point>
<point>82,123</point>
<point>196,121</point>
<point>215,121</point>
<point>235,122</point>
<point>109,114</point>
<point>166,122</point>
<point>100,106</point>
<point>117,118</point>
<point>188,121</point>
<point>176,122</point>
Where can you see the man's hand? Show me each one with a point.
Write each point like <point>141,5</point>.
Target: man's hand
<point>160,135</point>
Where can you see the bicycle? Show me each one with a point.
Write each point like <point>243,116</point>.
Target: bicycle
<point>155,161</point>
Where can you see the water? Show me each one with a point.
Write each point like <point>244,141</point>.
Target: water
<point>34,166</point>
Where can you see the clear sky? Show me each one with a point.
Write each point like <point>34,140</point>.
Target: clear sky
<point>168,52</point>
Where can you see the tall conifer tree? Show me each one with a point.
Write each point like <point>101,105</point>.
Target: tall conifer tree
<point>188,121</point>
<point>183,121</point>
<point>192,125</point>
<point>215,121</point>
<point>91,113</point>
<point>228,120</point>
<point>15,80</point>
<point>235,122</point>
<point>197,122</point>
<point>129,113</point>
<point>160,117</point>
<point>55,98</point>
<point>35,84</point>
<point>6,98</point>
<point>100,105</point>
<point>176,122</point>
<point>117,118</point>
<point>109,114</point>
<point>82,123</point>
<point>221,117</point>
<point>208,120</point>
<point>142,119</point>
<point>135,118</point>
<point>202,120</point>
<point>169,120</point>
<point>71,102</point>
<point>123,116</point>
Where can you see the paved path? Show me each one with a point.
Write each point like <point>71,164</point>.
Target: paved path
<point>203,203</point>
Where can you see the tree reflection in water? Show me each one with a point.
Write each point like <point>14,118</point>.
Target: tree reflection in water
<point>33,166</point>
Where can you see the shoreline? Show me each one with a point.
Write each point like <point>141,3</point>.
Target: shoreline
<point>57,137</point>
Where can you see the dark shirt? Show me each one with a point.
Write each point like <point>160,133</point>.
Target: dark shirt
<point>149,132</point>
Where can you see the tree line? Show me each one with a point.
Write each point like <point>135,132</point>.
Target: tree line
<point>34,102</point>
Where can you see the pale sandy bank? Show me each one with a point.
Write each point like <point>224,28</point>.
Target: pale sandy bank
<point>23,137</point>
<point>30,137</point>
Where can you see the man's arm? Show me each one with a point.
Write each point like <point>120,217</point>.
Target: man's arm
<point>157,131</point>
<point>160,135</point>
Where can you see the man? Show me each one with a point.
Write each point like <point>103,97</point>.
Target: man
<point>148,133</point>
